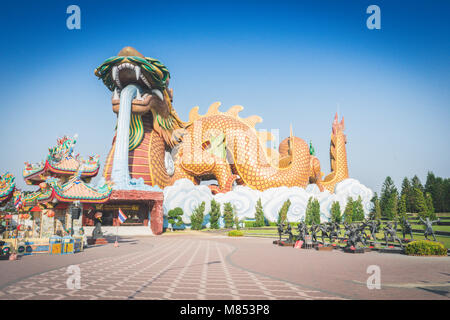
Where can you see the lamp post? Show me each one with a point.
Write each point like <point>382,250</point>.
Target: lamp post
<point>75,214</point>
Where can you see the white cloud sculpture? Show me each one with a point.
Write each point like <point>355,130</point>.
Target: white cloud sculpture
<point>188,196</point>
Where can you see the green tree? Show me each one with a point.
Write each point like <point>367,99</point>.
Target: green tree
<point>316,211</point>
<point>430,207</point>
<point>407,192</point>
<point>348,211</point>
<point>358,210</point>
<point>436,187</point>
<point>228,215</point>
<point>391,207</point>
<point>336,215</point>
<point>237,222</point>
<point>375,212</point>
<point>197,217</point>
<point>446,195</point>
<point>415,183</point>
<point>259,215</point>
<point>282,214</point>
<point>402,211</point>
<point>174,217</point>
<point>420,203</point>
<point>387,190</point>
<point>214,215</point>
<point>312,214</point>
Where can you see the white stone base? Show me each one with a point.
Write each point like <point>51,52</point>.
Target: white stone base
<point>122,231</point>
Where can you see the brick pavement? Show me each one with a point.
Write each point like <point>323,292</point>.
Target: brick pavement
<point>197,267</point>
<point>177,268</point>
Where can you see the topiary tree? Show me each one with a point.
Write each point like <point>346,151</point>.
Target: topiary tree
<point>174,217</point>
<point>197,217</point>
<point>336,215</point>
<point>357,210</point>
<point>348,211</point>
<point>316,211</point>
<point>259,215</point>
<point>312,214</point>
<point>282,214</point>
<point>214,215</point>
<point>228,215</point>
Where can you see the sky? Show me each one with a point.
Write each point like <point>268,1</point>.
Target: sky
<point>289,62</point>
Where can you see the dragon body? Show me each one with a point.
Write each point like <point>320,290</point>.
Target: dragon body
<point>217,145</point>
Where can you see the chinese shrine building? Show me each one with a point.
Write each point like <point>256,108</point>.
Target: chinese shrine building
<point>63,178</point>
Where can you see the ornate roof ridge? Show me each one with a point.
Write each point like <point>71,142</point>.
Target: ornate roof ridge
<point>61,160</point>
<point>7,186</point>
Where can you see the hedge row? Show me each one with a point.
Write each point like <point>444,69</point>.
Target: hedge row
<point>425,248</point>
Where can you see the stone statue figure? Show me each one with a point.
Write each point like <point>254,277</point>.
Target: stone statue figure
<point>390,233</point>
<point>302,231</point>
<point>313,231</point>
<point>354,234</point>
<point>325,228</point>
<point>406,228</point>
<point>97,232</point>
<point>280,230</point>
<point>429,227</point>
<point>361,235</point>
<point>289,232</point>
<point>335,231</point>
<point>374,226</point>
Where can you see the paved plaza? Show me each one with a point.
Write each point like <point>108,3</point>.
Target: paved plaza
<point>201,266</point>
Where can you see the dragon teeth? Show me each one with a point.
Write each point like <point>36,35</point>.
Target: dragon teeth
<point>115,95</point>
<point>145,81</point>
<point>137,69</point>
<point>158,93</point>
<point>115,73</point>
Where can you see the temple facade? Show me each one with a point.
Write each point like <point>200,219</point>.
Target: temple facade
<point>63,178</point>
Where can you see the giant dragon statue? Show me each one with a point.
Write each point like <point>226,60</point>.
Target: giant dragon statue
<point>153,143</point>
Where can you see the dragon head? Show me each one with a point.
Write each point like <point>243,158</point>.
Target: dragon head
<point>152,78</point>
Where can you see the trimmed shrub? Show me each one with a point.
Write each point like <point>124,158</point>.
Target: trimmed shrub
<point>197,217</point>
<point>214,215</point>
<point>228,215</point>
<point>426,248</point>
<point>358,210</point>
<point>348,211</point>
<point>282,214</point>
<point>259,215</point>
<point>336,215</point>
<point>174,216</point>
<point>235,233</point>
<point>312,213</point>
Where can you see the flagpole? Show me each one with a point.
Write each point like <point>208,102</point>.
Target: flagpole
<point>116,244</point>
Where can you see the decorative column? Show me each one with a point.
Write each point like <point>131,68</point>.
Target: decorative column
<point>157,217</point>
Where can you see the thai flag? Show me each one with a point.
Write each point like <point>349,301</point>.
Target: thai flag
<point>122,217</point>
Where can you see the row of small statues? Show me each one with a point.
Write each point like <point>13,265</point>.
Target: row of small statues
<point>355,233</point>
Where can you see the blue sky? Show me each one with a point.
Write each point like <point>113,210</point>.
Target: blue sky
<point>288,62</point>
